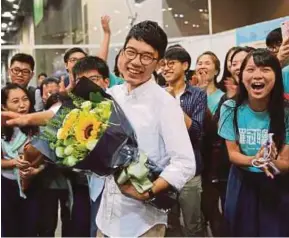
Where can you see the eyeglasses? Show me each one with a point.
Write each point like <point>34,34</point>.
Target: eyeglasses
<point>274,48</point>
<point>145,58</point>
<point>17,71</point>
<point>169,63</point>
<point>74,60</point>
<point>94,78</point>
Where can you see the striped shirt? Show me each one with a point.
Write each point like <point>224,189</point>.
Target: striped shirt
<point>194,103</point>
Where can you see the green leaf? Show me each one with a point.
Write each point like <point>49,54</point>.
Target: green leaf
<point>96,97</point>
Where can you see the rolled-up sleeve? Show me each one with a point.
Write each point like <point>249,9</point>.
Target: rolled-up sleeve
<point>182,166</point>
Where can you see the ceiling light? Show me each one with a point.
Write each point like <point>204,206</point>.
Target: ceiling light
<point>176,15</point>
<point>2,33</point>
<point>197,26</point>
<point>186,22</point>
<point>7,14</point>
<point>14,12</point>
<point>201,10</point>
<point>170,8</point>
<point>163,9</point>
<point>181,15</point>
<point>15,6</point>
<point>10,23</point>
<point>193,25</point>
<point>3,41</point>
<point>4,25</point>
<point>10,0</point>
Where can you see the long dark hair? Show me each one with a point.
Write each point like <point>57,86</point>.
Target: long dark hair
<point>216,62</point>
<point>276,105</point>
<point>226,72</point>
<point>7,132</point>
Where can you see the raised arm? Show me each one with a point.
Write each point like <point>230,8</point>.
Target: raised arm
<point>104,46</point>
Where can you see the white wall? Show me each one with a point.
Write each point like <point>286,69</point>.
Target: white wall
<point>120,12</point>
<point>218,43</point>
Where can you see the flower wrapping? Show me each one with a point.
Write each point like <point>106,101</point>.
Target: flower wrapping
<point>90,132</point>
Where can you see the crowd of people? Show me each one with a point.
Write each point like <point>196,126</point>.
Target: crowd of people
<point>209,134</point>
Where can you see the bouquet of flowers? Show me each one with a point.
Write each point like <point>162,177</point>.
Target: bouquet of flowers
<point>91,133</point>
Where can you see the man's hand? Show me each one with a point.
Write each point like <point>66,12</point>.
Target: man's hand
<point>14,119</point>
<point>105,24</point>
<point>283,54</point>
<point>130,191</point>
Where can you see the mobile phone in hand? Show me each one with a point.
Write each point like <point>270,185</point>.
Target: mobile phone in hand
<point>285,30</point>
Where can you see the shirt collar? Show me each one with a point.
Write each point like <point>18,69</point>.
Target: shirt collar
<point>140,89</point>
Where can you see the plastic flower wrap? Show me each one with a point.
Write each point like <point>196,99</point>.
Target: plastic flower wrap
<point>90,132</point>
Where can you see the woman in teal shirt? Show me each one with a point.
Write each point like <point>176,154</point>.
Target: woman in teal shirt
<point>208,69</point>
<point>257,203</point>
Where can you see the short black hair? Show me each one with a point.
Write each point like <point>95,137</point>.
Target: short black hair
<point>91,63</point>
<point>42,74</point>
<point>242,49</point>
<point>71,51</point>
<point>23,58</point>
<point>46,82</point>
<point>179,54</point>
<point>274,37</point>
<point>151,33</point>
<point>175,46</point>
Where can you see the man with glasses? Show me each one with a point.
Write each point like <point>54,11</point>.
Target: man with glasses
<point>161,133</point>
<point>21,72</point>
<point>193,102</point>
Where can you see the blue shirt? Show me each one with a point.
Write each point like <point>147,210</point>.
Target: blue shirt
<point>253,128</point>
<point>285,73</point>
<point>114,80</point>
<point>194,103</point>
<point>214,99</point>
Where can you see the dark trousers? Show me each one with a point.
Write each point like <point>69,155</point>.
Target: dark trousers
<point>80,217</point>
<point>19,217</point>
<point>50,200</point>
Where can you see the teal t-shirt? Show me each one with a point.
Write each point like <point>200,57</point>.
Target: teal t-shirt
<point>253,128</point>
<point>285,73</point>
<point>213,100</point>
<point>114,80</point>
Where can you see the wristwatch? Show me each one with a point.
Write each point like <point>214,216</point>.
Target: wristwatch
<point>151,194</point>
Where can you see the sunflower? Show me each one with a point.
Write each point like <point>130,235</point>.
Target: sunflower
<point>69,121</point>
<point>87,127</point>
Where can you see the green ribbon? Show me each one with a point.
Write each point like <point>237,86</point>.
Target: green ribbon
<point>136,173</point>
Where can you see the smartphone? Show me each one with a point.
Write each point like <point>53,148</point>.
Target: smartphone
<point>285,29</point>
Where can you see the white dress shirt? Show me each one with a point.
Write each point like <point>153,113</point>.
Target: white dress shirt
<point>161,133</point>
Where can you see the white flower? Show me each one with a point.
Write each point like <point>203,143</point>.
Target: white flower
<point>68,150</point>
<point>71,160</point>
<point>91,144</point>
<point>59,133</point>
<point>74,111</point>
<point>87,105</point>
<point>59,151</point>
